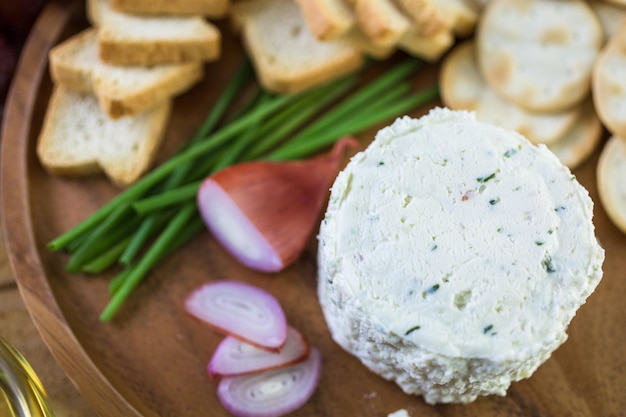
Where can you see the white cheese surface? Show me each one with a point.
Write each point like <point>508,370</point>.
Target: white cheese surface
<point>449,239</point>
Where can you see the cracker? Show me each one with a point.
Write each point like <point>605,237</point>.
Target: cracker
<point>577,145</point>
<point>611,171</point>
<point>463,87</point>
<point>611,16</point>
<point>539,54</point>
<point>609,84</point>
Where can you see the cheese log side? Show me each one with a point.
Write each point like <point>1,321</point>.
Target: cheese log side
<point>453,256</point>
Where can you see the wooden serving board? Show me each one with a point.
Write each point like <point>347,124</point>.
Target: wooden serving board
<point>151,360</point>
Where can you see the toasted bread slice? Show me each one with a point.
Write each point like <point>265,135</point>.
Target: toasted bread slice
<point>327,19</point>
<point>208,8</point>
<point>381,21</point>
<point>121,91</point>
<point>126,39</point>
<point>286,55</point>
<point>78,139</point>
<point>429,48</point>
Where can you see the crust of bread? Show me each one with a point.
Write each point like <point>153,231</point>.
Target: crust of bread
<point>429,48</point>
<point>327,19</point>
<point>381,21</point>
<point>126,39</point>
<point>68,144</point>
<point>289,58</point>
<point>429,19</point>
<point>208,8</point>
<point>121,91</point>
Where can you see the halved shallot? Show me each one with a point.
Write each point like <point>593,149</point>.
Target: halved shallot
<point>240,310</point>
<point>235,357</point>
<point>271,393</point>
<point>264,212</point>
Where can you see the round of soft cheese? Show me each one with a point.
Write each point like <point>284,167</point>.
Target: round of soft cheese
<point>453,255</point>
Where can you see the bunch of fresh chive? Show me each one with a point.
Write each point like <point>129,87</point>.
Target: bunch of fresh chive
<point>157,215</point>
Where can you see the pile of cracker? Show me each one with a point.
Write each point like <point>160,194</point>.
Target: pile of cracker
<point>554,71</point>
<point>115,81</point>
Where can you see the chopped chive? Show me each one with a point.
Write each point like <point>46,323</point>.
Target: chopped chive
<point>487,178</point>
<point>412,329</point>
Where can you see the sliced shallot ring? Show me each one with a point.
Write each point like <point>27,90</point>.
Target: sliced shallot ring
<point>240,310</point>
<point>235,357</point>
<point>271,393</point>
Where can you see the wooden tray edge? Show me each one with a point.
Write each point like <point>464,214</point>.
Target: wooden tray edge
<point>18,229</point>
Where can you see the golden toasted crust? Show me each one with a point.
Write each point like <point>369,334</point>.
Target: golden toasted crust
<point>78,139</point>
<point>121,91</point>
<point>582,139</point>
<point>209,8</point>
<point>611,171</point>
<point>289,58</point>
<point>327,19</point>
<point>129,40</point>
<point>429,20</point>
<point>381,21</point>
<point>609,85</point>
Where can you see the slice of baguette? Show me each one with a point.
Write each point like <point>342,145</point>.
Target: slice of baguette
<point>208,8</point>
<point>429,20</point>
<point>126,39</point>
<point>381,21</point>
<point>287,57</point>
<point>327,19</point>
<point>121,91</point>
<point>429,48</point>
<point>78,139</point>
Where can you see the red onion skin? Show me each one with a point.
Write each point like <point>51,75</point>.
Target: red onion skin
<point>283,200</point>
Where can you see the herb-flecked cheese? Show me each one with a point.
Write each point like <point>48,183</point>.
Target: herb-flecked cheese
<point>453,255</point>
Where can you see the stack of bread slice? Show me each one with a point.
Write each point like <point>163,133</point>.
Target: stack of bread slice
<point>114,84</point>
<point>424,28</point>
<point>298,44</point>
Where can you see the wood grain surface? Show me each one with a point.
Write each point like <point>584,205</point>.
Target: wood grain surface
<point>151,360</point>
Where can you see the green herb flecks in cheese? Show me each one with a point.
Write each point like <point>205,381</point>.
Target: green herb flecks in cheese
<point>491,230</point>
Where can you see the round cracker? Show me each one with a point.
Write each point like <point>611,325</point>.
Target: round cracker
<point>609,84</point>
<point>463,88</point>
<point>581,140</point>
<point>611,16</point>
<point>539,54</point>
<point>611,172</point>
